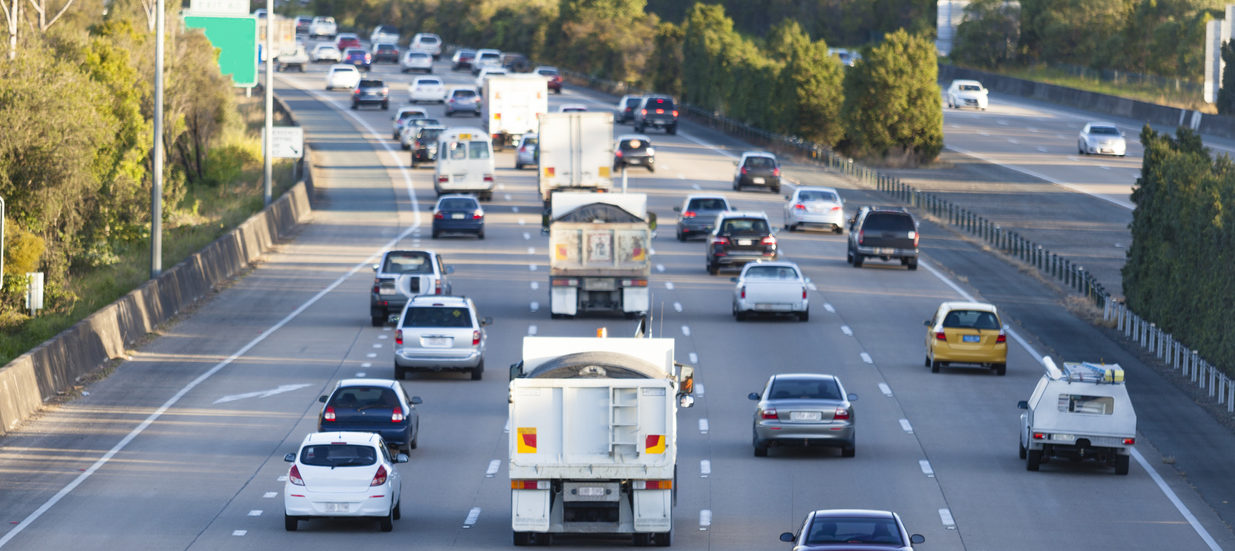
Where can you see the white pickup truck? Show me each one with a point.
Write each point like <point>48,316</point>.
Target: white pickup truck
<point>1079,411</point>
<point>295,58</point>
<point>771,288</point>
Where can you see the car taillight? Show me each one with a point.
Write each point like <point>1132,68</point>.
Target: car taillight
<point>293,476</point>
<point>475,338</point>
<point>769,413</point>
<point>356,92</point>
<point>743,170</point>
<point>377,287</point>
<point>721,241</point>
<point>478,214</point>
<point>914,236</point>
<point>618,153</point>
<point>799,206</point>
<point>399,337</point>
<point>1129,441</point>
<point>743,290</point>
<point>941,336</point>
<point>523,149</point>
<point>688,214</point>
<point>776,172</point>
<point>1001,337</point>
<point>675,112</point>
<point>437,287</point>
<point>804,293</point>
<point>442,179</point>
<point>835,208</point>
<point>841,414</point>
<point>329,414</point>
<point>861,237</point>
<point>643,111</point>
<point>396,416</point>
<point>769,240</point>
<point>379,478</point>
<point>1039,436</point>
<point>488,177</point>
<point>439,216</point>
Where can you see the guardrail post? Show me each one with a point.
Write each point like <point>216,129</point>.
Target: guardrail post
<point>1230,397</point>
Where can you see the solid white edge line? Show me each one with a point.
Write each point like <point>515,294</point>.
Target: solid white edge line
<point>1166,490</point>
<point>128,438</point>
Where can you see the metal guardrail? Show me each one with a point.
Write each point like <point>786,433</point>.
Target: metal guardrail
<point>1075,277</point>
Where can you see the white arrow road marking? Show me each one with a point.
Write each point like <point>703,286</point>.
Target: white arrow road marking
<point>945,516</point>
<point>926,468</point>
<point>885,389</point>
<point>472,515</point>
<point>846,330</point>
<point>677,307</point>
<point>694,358</point>
<point>867,358</point>
<point>261,393</point>
<point>705,468</point>
<point>493,467</point>
<point>905,426</point>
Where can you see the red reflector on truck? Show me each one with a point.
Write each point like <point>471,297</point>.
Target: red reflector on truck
<point>651,484</point>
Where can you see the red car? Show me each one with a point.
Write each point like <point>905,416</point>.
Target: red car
<point>552,75</point>
<point>347,40</point>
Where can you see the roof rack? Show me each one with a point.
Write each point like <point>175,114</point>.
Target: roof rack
<point>1085,372</point>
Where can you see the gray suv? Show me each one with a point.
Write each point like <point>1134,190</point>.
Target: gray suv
<point>422,273</point>
<point>697,215</point>
<point>883,232</point>
<point>440,333</point>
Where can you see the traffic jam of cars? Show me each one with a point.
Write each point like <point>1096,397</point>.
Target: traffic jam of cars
<point>368,427</point>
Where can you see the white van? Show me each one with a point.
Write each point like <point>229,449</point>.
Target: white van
<point>464,163</point>
<point>428,43</point>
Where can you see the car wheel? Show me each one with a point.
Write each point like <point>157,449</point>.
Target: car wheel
<point>523,538</point>
<point>1021,446</point>
<point>848,256</point>
<point>839,230</point>
<point>290,523</point>
<point>912,264</point>
<point>399,509</point>
<point>651,167</point>
<point>1033,458</point>
<point>857,260</point>
<point>480,234</point>
<point>1001,369</point>
<point>713,268</point>
<point>804,315</point>
<point>761,448</point>
<point>775,189</point>
<point>406,147</point>
<point>681,237</point>
<point>638,128</point>
<point>377,321</point>
<point>386,105</point>
<point>1121,464</point>
<point>737,185</point>
<point>926,361</point>
<point>436,233</point>
<point>479,370</point>
<point>387,523</point>
<point>413,162</point>
<point>849,451</point>
<point>935,365</point>
<point>355,106</point>
<point>672,130</point>
<point>518,166</point>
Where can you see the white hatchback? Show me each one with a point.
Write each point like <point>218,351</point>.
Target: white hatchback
<point>342,475</point>
<point>342,76</point>
<point>429,89</point>
<point>413,60</point>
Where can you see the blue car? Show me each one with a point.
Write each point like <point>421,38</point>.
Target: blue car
<point>458,214</point>
<point>372,405</point>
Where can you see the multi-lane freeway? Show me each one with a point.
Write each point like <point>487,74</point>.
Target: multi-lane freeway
<point>182,446</point>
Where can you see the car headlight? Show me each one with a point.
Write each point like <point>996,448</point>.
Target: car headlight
<point>651,151</point>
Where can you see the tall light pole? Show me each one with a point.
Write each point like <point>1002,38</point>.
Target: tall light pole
<point>268,168</point>
<point>1,244</point>
<point>156,188</point>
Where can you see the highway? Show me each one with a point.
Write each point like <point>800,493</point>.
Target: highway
<point>182,446</point>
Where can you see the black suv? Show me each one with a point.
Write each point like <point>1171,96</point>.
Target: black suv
<point>738,238</point>
<point>657,112</point>
<point>371,91</point>
<point>634,149</point>
<point>758,169</point>
<point>385,52</point>
<point>883,232</point>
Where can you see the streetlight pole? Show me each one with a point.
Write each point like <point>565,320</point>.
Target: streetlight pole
<point>268,169</point>
<point>1,244</point>
<point>156,188</point>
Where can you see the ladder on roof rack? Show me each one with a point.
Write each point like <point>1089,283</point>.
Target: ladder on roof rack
<point>1090,372</point>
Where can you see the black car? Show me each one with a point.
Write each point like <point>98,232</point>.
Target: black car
<point>757,169</point>
<point>463,60</point>
<point>371,91</point>
<point>738,238</point>
<point>458,214</point>
<point>883,232</point>
<point>357,56</point>
<point>516,63</point>
<point>372,405</point>
<point>657,112</point>
<point>385,52</point>
<point>424,144</point>
<point>634,149</point>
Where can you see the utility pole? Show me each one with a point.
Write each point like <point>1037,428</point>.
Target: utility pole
<point>1,244</point>
<point>268,169</point>
<point>156,188</point>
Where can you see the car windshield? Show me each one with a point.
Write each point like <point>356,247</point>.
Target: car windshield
<point>969,88</point>
<point>771,272</point>
<point>886,221</point>
<point>338,455</point>
<point>459,203</point>
<point>408,263</point>
<point>1104,130</point>
<point>813,195</point>
<point>760,162</point>
<point>745,226</point>
<point>853,530</point>
<point>547,72</point>
<point>437,316</point>
<point>971,319</point>
<point>804,389</point>
<point>707,204</point>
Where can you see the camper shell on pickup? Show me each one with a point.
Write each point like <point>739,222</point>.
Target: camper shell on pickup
<point>1079,411</point>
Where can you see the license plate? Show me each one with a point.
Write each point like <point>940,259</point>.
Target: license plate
<point>884,250</point>
<point>805,416</point>
<point>1064,437</point>
<point>971,338</point>
<point>745,242</point>
<point>590,491</point>
<point>336,507</point>
<point>757,180</point>
<point>456,216</point>
<point>436,341</point>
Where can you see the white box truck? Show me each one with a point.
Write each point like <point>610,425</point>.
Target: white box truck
<point>1078,411</point>
<point>593,450</point>
<point>599,257</point>
<point>576,152</point>
<point>512,106</point>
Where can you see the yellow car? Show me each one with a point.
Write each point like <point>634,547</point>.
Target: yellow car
<point>969,333</point>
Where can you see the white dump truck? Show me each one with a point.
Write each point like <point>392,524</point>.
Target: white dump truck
<point>599,259</point>
<point>512,106</point>
<point>1079,411</point>
<point>593,425</point>
<point>576,152</point>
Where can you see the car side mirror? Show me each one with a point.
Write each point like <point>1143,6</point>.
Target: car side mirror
<point>486,321</point>
<point>733,279</point>
<point>686,401</point>
<point>450,269</point>
<point>753,396</point>
<point>290,458</point>
<point>787,537</point>
<point>917,538</point>
<point>852,397</point>
<point>415,400</point>
<point>376,266</point>
<point>927,323</point>
<point>516,370</point>
<point>1023,404</point>
<point>322,398</point>
<point>401,458</point>
<point>786,197</point>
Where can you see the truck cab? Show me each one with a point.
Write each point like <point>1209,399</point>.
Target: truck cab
<point>1078,411</point>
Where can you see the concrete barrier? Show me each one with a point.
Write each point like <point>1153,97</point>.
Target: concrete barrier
<point>57,364</point>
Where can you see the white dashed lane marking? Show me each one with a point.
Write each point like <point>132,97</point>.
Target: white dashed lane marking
<point>686,330</point>
<point>829,307</point>
<point>945,516</point>
<point>360,374</point>
<point>846,330</point>
<point>255,513</point>
<point>703,426</point>
<point>366,365</point>
<point>531,267</point>
<point>677,307</point>
<point>660,268</point>
<point>534,306</point>
<point>531,250</point>
<point>867,358</point>
<point>535,285</point>
<point>472,516</point>
<point>705,468</point>
<point>885,389</point>
<point>383,337</point>
<point>527,235</point>
<point>371,355</point>
<point>531,329</point>
<point>239,532</point>
<point>269,495</point>
<point>282,478</point>
<point>905,426</point>
<point>705,519</point>
<point>377,345</point>
<point>512,209</point>
<point>694,358</point>
<point>926,468</point>
<point>493,467</point>
<point>698,390</point>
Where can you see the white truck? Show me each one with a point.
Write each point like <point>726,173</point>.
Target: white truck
<point>593,450</point>
<point>1079,411</point>
<point>576,152</point>
<point>599,253</point>
<point>511,106</point>
<point>295,58</point>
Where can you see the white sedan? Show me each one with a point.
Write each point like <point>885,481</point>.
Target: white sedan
<point>342,76</point>
<point>429,89</point>
<point>967,93</point>
<point>815,206</point>
<point>776,287</point>
<point>325,52</point>
<point>416,61</point>
<point>342,474</point>
<point>1098,138</point>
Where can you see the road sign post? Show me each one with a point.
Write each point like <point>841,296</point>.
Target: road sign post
<point>286,142</point>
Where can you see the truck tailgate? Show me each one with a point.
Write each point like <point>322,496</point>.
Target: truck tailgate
<point>773,292</point>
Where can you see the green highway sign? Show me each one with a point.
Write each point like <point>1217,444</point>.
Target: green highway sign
<point>236,38</point>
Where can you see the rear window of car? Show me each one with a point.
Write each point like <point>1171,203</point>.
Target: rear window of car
<point>429,135</point>
<point>386,47</point>
<point>338,455</point>
<point>404,115</point>
<point>463,94</point>
<point>547,72</point>
<point>419,55</point>
<point>428,82</point>
<point>707,204</point>
<point>760,162</point>
<point>888,221</point>
<point>802,389</point>
<point>854,530</point>
<point>533,140</point>
<point>428,39</point>
<point>365,397</point>
<point>1078,403</point>
<point>371,83</point>
<point>818,196</point>
<point>459,203</point>
<point>745,226</point>
<point>660,103</point>
<point>771,272</point>
<point>437,316</point>
<point>635,143</point>
<point>408,263</point>
<point>490,55</point>
<point>971,319</point>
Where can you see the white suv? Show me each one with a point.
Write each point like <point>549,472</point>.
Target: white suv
<point>427,42</point>
<point>323,26</point>
<point>439,333</point>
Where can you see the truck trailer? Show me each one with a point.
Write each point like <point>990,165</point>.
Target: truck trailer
<point>512,105</point>
<point>593,449</point>
<point>576,152</point>
<point>599,257</point>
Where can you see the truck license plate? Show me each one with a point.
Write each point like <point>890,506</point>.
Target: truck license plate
<point>1064,437</point>
<point>591,491</point>
<point>805,416</point>
<point>883,250</point>
<point>757,180</point>
<point>971,338</point>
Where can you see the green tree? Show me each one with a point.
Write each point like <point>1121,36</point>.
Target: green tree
<point>989,35</point>
<point>664,69</point>
<point>892,109</point>
<point>1226,94</point>
<point>810,85</point>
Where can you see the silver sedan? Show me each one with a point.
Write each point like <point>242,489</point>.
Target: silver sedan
<point>804,409</point>
<point>1101,138</point>
<point>815,206</point>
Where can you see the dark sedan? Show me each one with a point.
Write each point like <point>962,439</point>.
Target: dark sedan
<point>371,92</point>
<point>634,149</point>
<point>757,169</point>
<point>698,213</point>
<point>385,52</point>
<point>424,143</point>
<point>372,405</point>
<point>462,60</point>
<point>458,214</point>
<point>847,529</point>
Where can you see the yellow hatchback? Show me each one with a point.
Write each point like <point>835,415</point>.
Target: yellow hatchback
<point>968,333</point>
